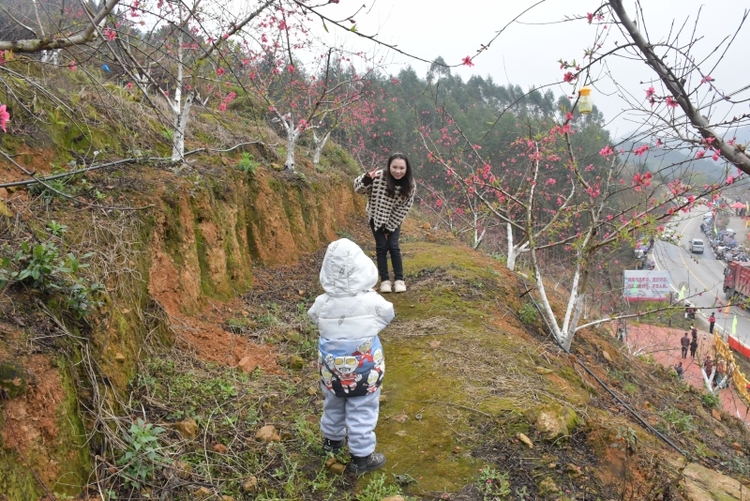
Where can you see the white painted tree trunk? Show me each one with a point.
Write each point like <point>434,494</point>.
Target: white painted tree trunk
<point>292,134</point>
<point>707,379</point>
<point>178,137</point>
<point>319,145</point>
<point>179,116</point>
<point>514,251</point>
<point>477,235</point>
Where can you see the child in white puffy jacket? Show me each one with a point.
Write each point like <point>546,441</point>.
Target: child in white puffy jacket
<point>349,317</point>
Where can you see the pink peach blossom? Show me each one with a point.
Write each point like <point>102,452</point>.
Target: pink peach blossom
<point>4,117</point>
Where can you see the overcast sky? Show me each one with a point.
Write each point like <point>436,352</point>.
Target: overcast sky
<point>526,53</point>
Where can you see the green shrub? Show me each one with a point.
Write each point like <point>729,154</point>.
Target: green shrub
<point>142,453</point>
<point>493,485</point>
<point>376,489</point>
<point>528,313</point>
<point>677,420</point>
<point>247,164</point>
<point>42,268</point>
<point>710,400</point>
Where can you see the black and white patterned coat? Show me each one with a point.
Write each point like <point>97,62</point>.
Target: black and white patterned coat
<point>382,209</point>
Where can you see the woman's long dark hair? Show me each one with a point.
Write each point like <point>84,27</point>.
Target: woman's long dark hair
<point>406,183</point>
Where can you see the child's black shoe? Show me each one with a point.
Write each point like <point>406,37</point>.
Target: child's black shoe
<point>360,465</point>
<point>333,445</point>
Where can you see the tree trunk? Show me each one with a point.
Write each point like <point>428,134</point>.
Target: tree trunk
<point>292,134</point>
<point>512,254</point>
<point>319,145</point>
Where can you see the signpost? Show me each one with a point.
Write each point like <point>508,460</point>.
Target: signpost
<point>645,285</point>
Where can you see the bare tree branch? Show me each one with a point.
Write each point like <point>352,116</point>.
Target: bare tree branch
<point>60,41</point>
<point>732,153</point>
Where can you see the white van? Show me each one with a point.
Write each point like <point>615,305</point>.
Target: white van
<point>696,246</point>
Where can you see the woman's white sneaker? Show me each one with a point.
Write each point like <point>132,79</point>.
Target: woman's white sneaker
<point>385,286</point>
<point>399,286</point>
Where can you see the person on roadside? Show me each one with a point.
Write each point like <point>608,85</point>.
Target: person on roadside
<point>693,331</point>
<point>693,346</point>
<point>390,193</point>
<point>708,367</point>
<point>349,316</point>
<point>711,322</point>
<point>685,344</point>
<point>678,369</point>
<point>622,330</point>
<point>721,371</point>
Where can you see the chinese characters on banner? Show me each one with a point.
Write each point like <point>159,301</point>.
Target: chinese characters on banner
<point>645,285</point>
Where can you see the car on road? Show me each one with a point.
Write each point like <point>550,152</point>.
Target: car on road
<point>696,246</point>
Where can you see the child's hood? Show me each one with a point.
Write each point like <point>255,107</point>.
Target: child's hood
<point>346,269</point>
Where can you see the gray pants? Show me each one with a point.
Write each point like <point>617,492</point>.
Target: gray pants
<point>358,415</point>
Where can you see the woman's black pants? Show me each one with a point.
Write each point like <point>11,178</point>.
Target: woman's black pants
<point>385,244</point>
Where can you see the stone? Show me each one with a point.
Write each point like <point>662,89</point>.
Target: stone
<point>383,399</point>
<point>227,498</point>
<point>719,433</point>
<point>393,498</point>
<point>526,440</point>
<point>312,390</point>
<point>716,414</point>
<point>295,362</point>
<point>5,211</point>
<point>737,446</point>
<point>187,428</point>
<point>606,356</point>
<point>220,448</point>
<point>548,488</point>
<point>294,337</point>
<point>247,365</point>
<point>268,434</point>
<point>13,379</point>
<point>337,468</point>
<point>251,484</point>
<point>330,462</point>
<point>182,469</point>
<point>553,421</point>
<point>401,418</point>
<point>700,483</point>
<point>203,492</point>
<point>119,357</point>
<point>573,470</point>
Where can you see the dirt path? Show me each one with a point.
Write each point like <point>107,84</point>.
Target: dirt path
<point>664,345</point>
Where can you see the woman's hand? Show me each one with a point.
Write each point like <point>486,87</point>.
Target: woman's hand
<point>375,173</point>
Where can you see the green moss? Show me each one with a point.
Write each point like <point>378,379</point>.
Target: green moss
<point>208,288</point>
<point>70,449</point>
<point>411,430</point>
<point>12,379</point>
<point>16,482</point>
<point>571,376</point>
<point>174,231</point>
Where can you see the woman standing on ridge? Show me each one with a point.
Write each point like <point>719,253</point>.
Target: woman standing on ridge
<point>390,195</point>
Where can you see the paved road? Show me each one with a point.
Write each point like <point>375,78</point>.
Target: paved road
<point>701,274</point>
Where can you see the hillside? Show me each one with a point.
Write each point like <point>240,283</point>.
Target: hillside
<point>190,372</point>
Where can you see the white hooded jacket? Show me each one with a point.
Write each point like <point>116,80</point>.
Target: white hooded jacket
<point>349,317</point>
